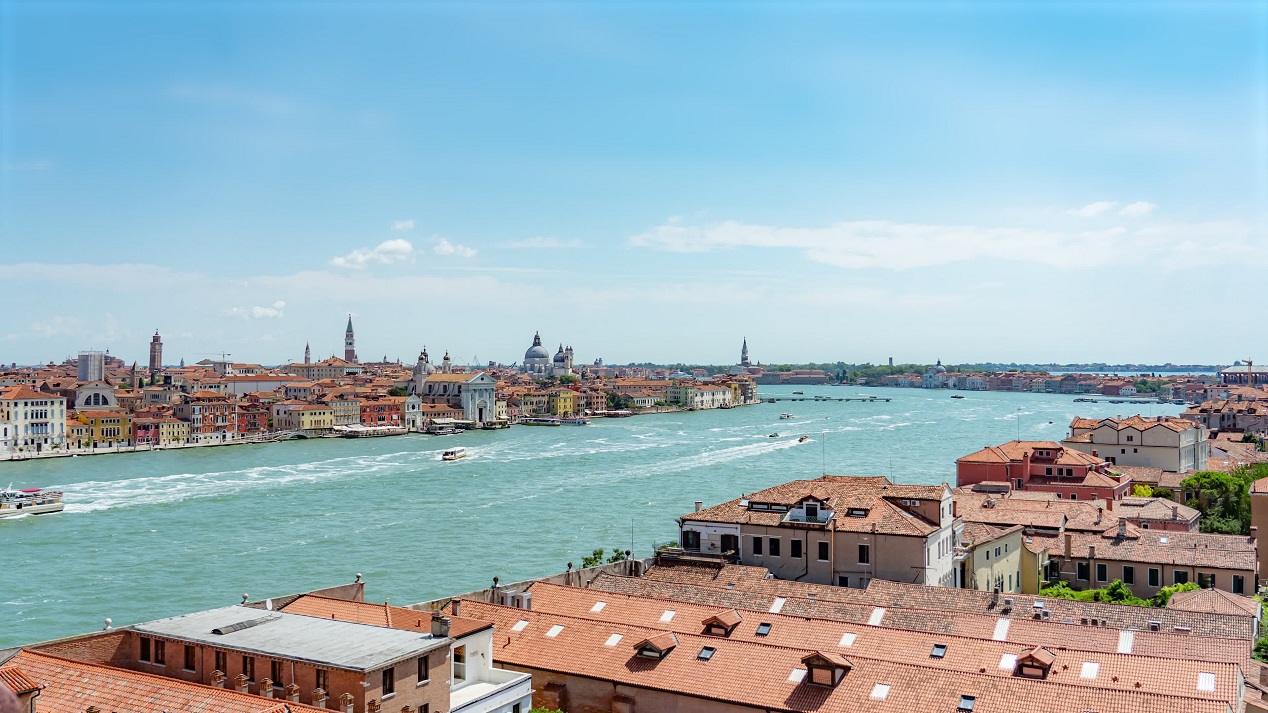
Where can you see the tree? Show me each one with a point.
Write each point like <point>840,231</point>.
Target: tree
<point>594,559</point>
<point>1164,595</point>
<point>1223,499</point>
<point>397,391</point>
<point>568,379</point>
<point>618,555</point>
<point>1141,490</point>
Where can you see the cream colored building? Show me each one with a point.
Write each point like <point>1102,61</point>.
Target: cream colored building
<point>991,557</point>
<point>1166,442</point>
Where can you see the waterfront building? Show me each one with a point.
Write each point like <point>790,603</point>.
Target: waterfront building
<point>1230,415</point>
<point>1043,466</point>
<point>97,395</point>
<point>253,417</point>
<point>211,416</point>
<point>1245,375</point>
<point>1166,442</point>
<point>840,530</point>
<point>92,366</point>
<point>474,393</point>
<point>346,410</point>
<point>32,421</point>
<point>349,343</point>
<point>107,429</point>
<point>332,368</point>
<point>382,411</point>
<point>539,364</point>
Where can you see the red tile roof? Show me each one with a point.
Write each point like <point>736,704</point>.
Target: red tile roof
<point>377,614</point>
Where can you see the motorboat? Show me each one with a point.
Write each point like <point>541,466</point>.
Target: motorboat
<point>540,422</point>
<point>798,392</point>
<point>803,439</point>
<point>773,435</point>
<point>454,454</point>
<point>957,396</point>
<point>29,501</point>
<point>786,416</point>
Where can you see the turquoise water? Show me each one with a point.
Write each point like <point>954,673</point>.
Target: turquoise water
<point>148,535</point>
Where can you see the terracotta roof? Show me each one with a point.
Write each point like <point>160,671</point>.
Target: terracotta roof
<point>976,533</point>
<point>1259,487</point>
<point>377,614</point>
<point>1184,549</point>
<point>12,678</point>
<point>1075,515</point>
<point>1012,451</point>
<point>1214,601</point>
<point>71,686</point>
<point>1138,508</point>
<point>21,393</point>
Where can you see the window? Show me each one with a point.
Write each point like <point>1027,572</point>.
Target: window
<point>823,551</point>
<point>145,649</point>
<point>1081,571</point>
<point>460,663</point>
<point>321,680</point>
<point>939,651</point>
<point>966,704</point>
<point>1180,576</point>
<point>1129,574</point>
<point>774,547</point>
<point>248,667</point>
<point>757,546</point>
<point>1155,576</point>
<point>763,629</point>
<point>189,658</point>
<point>222,662</point>
<point>1102,573</point>
<point>843,581</point>
<point>389,680</point>
<point>275,672</point>
<point>706,653</point>
<point>865,554</point>
<point>1206,581</point>
<point>997,552</point>
<point>160,653</point>
<point>1047,471</point>
<point>795,549</point>
<point>1239,584</point>
<point>424,669</point>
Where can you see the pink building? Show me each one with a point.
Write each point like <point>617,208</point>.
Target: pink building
<point>1043,466</point>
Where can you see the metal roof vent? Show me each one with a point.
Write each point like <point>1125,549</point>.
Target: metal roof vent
<point>221,631</point>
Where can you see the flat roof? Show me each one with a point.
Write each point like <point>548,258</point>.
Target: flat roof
<point>339,644</point>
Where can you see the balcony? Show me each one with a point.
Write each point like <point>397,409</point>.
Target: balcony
<point>499,689</point>
<point>798,517</point>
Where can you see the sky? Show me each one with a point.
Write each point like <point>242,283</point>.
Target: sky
<point>969,182</point>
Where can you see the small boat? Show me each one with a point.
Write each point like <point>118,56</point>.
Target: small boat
<point>454,454</point>
<point>540,422</point>
<point>803,439</point>
<point>442,431</point>
<point>773,435</point>
<point>798,392</point>
<point>578,421</point>
<point>786,415</point>
<point>29,501</point>
<point>957,396</point>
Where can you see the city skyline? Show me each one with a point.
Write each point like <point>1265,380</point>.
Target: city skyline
<point>645,183</point>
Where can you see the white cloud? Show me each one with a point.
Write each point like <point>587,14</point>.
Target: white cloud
<point>385,253</point>
<point>898,246</point>
<point>1138,208</point>
<point>444,247</point>
<point>272,312</point>
<point>543,244</point>
<point>1091,210</point>
<point>403,224</point>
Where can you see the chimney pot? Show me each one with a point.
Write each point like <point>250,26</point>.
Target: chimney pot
<point>457,607</point>
<point>439,625</point>
<point>699,505</point>
<point>266,687</point>
<point>1091,552</point>
<point>1068,545</point>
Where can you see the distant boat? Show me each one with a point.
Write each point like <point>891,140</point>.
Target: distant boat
<point>29,501</point>
<point>786,416</point>
<point>799,392</point>
<point>454,454</point>
<point>578,421</point>
<point>540,422</point>
<point>957,396</point>
<point>803,439</point>
<point>773,435</point>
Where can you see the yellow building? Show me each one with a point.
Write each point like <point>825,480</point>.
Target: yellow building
<point>562,402</point>
<point>173,431</point>
<point>534,404</point>
<point>992,558</point>
<point>314,418</point>
<point>106,428</point>
<point>78,435</point>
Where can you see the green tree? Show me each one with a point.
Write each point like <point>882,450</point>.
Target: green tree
<point>594,559</point>
<point>1141,490</point>
<point>1223,499</point>
<point>397,391</point>
<point>1164,595</point>
<point>568,379</point>
<point>618,555</point>
<point>1261,649</point>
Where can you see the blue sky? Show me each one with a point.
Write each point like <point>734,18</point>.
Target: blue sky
<point>644,181</point>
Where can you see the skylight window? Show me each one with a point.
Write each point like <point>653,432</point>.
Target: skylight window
<point>880,692</point>
<point>796,675</point>
<point>966,704</point>
<point>613,640</point>
<point>778,605</point>
<point>1008,662</point>
<point>878,614</point>
<point>554,631</point>
<point>1125,639</point>
<point>1001,630</point>
<point>598,607</point>
<point>668,616</point>
<point>1206,682</point>
<point>1164,539</point>
<point>519,625</point>
<point>763,629</point>
<point>939,651</point>
<point>1090,669</point>
<point>706,653</point>
<point>847,639</point>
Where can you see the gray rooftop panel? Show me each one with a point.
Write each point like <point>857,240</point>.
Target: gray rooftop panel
<point>330,642</point>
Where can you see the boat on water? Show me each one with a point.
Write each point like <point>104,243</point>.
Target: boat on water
<point>540,422</point>
<point>442,431</point>
<point>786,416</point>
<point>957,396</point>
<point>799,392</point>
<point>29,501</point>
<point>454,454</point>
<point>803,439</point>
<point>358,431</point>
<point>578,421</point>
<point>773,435</point>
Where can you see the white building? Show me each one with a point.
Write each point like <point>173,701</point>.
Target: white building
<point>1167,442</point>
<point>475,393</point>
<point>538,362</point>
<point>30,420</point>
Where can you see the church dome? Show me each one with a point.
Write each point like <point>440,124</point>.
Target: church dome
<point>537,351</point>
<point>560,357</point>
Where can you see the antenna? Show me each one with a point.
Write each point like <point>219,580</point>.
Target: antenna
<point>1019,424</point>
<point>823,450</point>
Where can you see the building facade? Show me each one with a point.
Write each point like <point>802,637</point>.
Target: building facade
<point>1166,442</point>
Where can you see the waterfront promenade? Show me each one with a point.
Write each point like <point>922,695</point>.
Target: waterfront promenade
<point>151,534</point>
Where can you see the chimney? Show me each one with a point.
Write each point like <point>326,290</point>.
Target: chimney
<point>241,683</point>
<point>1109,504</point>
<point>1091,552</point>
<point>346,703</point>
<point>1099,512</point>
<point>1067,545</point>
<point>218,679</point>
<point>320,697</point>
<point>699,505</point>
<point>439,625</point>
<point>292,693</point>
<point>456,607</point>
<point>266,687</point>
<point>373,706</point>
<point>1175,515</point>
<point>1122,528</point>
<point>1254,533</point>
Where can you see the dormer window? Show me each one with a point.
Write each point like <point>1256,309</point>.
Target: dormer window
<point>938,651</point>
<point>856,512</point>
<point>826,669</point>
<point>656,647</point>
<point>1034,663</point>
<point>722,623</point>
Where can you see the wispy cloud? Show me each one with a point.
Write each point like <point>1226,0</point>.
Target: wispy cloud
<point>444,247</point>
<point>543,244</point>
<point>385,253</point>
<point>1138,208</point>
<point>407,224</point>
<point>898,246</point>
<point>273,311</point>
<point>1091,210</point>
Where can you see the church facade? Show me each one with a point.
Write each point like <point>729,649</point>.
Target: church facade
<point>539,364</point>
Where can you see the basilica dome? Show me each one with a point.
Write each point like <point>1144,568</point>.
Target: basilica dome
<point>537,351</point>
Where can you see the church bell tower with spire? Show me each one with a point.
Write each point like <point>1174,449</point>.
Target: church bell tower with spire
<point>349,343</point>
<point>744,353</point>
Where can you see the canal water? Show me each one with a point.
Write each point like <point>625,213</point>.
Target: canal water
<point>148,535</point>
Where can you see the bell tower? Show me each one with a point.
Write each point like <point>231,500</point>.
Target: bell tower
<point>349,343</point>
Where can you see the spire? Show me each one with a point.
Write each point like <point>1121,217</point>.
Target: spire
<point>537,339</point>
<point>349,329</point>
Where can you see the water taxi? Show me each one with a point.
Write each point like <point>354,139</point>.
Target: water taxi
<point>803,439</point>
<point>540,422</point>
<point>454,454</point>
<point>29,501</point>
<point>786,416</point>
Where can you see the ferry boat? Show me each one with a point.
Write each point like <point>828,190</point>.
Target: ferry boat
<point>578,421</point>
<point>786,416</point>
<point>454,454</point>
<point>29,501</point>
<point>540,422</point>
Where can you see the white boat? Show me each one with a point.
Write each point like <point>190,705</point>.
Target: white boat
<point>799,392</point>
<point>29,501</point>
<point>454,454</point>
<point>540,422</point>
<point>786,416</point>
<point>578,421</point>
